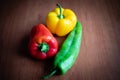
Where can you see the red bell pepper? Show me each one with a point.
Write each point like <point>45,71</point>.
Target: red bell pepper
<point>42,44</point>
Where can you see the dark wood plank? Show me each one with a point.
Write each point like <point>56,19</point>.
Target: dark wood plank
<point>100,49</point>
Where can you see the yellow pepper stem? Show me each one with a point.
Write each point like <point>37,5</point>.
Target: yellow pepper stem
<point>61,16</point>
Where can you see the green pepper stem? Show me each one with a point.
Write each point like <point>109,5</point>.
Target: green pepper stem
<point>61,16</point>
<point>51,74</point>
<point>43,47</point>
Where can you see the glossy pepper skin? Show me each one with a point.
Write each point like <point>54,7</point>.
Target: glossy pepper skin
<point>42,44</point>
<point>61,21</point>
<point>68,53</point>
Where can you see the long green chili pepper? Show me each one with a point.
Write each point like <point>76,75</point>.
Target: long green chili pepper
<point>68,53</point>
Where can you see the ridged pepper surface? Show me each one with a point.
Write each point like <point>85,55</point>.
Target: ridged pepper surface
<point>42,44</point>
<point>61,21</point>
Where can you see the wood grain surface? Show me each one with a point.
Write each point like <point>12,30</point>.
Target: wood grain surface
<point>99,57</point>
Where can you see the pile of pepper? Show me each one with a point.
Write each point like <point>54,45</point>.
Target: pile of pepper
<point>43,44</point>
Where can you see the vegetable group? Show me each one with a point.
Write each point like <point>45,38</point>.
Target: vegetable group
<point>68,53</point>
<point>42,44</point>
<point>61,21</point>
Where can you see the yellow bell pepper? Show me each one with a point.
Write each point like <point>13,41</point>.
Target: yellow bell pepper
<point>61,21</point>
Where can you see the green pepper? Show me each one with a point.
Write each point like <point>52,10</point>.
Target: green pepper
<point>68,53</point>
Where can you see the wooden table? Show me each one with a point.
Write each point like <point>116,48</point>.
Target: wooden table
<point>99,57</point>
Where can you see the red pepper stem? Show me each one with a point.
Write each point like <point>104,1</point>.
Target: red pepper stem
<point>43,47</point>
<point>61,16</point>
<point>51,74</point>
